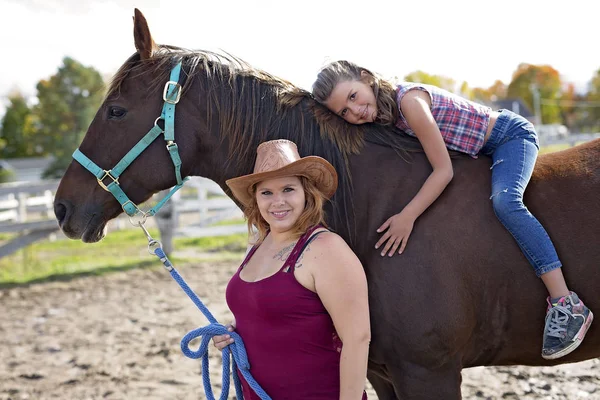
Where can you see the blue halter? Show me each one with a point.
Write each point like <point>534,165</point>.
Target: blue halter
<point>109,179</point>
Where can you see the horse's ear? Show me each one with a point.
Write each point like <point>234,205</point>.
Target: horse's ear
<point>141,36</point>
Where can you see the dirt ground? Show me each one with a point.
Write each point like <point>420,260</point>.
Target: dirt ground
<point>117,337</point>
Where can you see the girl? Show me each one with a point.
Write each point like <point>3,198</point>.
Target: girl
<point>441,121</point>
<point>300,297</point>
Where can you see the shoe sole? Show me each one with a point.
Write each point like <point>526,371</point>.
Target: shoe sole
<point>576,342</point>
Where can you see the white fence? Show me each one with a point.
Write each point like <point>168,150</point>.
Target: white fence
<point>571,140</point>
<point>26,208</point>
<point>17,200</point>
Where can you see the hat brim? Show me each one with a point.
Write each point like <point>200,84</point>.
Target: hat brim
<point>315,168</point>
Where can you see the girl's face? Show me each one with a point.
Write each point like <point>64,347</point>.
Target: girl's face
<point>281,201</point>
<point>354,101</point>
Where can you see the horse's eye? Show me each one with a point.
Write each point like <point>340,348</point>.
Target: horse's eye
<point>116,112</point>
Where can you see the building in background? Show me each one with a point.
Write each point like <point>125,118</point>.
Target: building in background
<point>515,105</point>
<point>28,169</point>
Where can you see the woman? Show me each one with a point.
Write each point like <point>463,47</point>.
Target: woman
<point>300,296</point>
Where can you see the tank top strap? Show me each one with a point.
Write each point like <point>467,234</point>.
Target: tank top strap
<point>248,257</point>
<point>303,242</point>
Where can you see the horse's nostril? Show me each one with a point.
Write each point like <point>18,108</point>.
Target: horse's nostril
<point>60,211</point>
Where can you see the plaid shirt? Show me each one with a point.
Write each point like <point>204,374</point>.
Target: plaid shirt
<point>463,123</point>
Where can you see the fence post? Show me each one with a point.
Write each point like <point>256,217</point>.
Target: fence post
<point>22,207</point>
<point>167,220</point>
<point>202,197</point>
<point>49,197</point>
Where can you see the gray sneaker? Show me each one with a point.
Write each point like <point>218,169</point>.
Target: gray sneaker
<point>566,325</point>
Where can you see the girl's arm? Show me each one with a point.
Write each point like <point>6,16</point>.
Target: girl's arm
<point>416,108</point>
<point>341,284</point>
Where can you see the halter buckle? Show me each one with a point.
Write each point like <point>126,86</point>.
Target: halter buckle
<point>170,144</point>
<point>167,92</point>
<point>107,175</point>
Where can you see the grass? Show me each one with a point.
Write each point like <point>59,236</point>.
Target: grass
<point>553,148</point>
<point>5,236</point>
<point>233,221</point>
<point>65,259</point>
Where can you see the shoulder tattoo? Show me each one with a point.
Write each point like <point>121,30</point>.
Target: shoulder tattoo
<point>306,250</point>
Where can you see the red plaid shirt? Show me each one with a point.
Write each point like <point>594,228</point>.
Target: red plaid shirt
<point>463,123</point>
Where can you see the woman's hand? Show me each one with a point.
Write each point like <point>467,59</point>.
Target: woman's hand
<point>222,341</point>
<point>398,227</point>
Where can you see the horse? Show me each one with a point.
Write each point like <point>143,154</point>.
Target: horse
<point>461,295</point>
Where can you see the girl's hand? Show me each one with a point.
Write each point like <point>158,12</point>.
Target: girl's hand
<point>222,341</point>
<point>400,226</point>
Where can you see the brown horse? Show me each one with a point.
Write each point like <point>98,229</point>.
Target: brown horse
<point>461,295</point>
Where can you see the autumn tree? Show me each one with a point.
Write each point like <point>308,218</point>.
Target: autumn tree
<point>572,108</point>
<point>541,78</point>
<point>67,103</point>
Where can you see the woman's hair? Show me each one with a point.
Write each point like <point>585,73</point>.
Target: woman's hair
<point>312,215</point>
<point>341,71</point>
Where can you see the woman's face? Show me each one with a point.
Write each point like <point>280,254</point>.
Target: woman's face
<point>354,101</point>
<point>281,201</point>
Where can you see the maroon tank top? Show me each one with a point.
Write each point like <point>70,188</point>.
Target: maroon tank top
<point>292,345</point>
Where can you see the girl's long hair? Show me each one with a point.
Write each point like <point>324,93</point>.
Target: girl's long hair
<point>341,71</point>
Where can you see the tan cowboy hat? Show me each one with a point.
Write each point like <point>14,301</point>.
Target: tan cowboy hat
<point>279,158</point>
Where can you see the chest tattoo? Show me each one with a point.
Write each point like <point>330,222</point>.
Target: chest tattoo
<point>284,253</point>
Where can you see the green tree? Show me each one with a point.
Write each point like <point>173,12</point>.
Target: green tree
<point>67,103</point>
<point>543,78</point>
<point>15,133</point>
<point>435,80</point>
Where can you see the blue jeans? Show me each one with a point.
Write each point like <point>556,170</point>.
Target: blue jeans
<point>513,146</point>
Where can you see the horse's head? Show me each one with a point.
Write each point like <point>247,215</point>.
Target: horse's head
<point>226,109</point>
<point>131,110</point>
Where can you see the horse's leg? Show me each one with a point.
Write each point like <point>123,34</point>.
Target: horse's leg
<point>412,381</point>
<point>379,379</point>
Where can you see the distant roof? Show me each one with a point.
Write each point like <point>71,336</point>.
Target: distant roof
<point>29,162</point>
<point>514,105</point>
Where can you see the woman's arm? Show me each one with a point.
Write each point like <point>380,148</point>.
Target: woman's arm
<point>416,108</point>
<point>341,285</point>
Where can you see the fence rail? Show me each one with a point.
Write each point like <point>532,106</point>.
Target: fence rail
<point>26,209</point>
<point>571,140</point>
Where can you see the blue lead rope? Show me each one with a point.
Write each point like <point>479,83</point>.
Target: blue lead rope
<point>234,354</point>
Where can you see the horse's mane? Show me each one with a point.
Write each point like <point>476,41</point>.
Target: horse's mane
<point>254,106</point>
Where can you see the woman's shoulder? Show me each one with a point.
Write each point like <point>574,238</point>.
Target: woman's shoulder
<point>324,237</point>
<point>327,246</point>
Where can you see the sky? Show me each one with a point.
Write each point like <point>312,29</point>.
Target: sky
<point>477,41</point>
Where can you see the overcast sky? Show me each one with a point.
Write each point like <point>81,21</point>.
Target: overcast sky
<point>476,41</point>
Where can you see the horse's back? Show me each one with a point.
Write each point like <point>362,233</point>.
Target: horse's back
<point>580,162</point>
<point>476,292</point>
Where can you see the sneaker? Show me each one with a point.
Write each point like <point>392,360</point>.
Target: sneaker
<point>567,322</point>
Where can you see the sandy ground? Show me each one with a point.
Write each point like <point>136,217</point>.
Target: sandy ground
<point>117,337</point>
